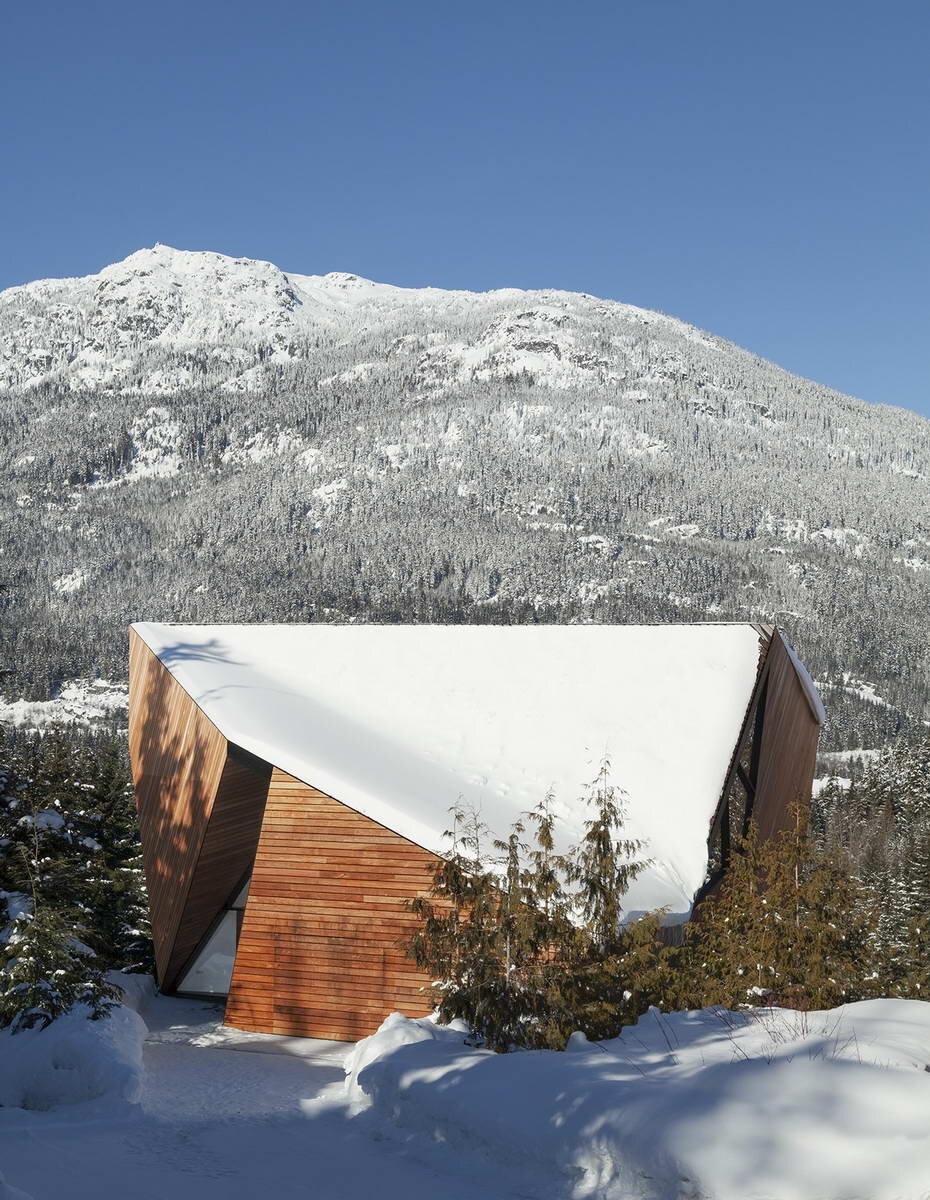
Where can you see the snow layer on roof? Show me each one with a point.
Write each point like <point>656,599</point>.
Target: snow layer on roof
<point>401,722</point>
<point>807,683</point>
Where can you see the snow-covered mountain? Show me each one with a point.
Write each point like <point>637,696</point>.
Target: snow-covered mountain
<point>191,437</point>
<point>239,319</point>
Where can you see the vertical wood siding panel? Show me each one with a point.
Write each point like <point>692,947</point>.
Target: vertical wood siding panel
<point>226,854</point>
<point>788,754</point>
<point>177,758</point>
<point>319,953</point>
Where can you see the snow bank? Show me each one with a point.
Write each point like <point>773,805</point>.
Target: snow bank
<point>74,1061</point>
<point>397,1031</point>
<point>725,1106</point>
<point>139,990</point>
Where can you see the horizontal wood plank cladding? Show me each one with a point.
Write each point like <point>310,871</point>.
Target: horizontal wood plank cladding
<point>319,954</point>
<point>226,853</point>
<point>787,756</point>
<point>177,758</point>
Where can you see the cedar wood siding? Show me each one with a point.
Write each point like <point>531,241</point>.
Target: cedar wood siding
<point>788,754</point>
<point>319,954</point>
<point>194,849</point>
<point>226,853</point>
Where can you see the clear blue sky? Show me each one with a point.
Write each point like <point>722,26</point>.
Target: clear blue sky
<point>760,169</point>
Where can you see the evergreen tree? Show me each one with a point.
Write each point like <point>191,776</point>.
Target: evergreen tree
<point>52,822</point>
<point>612,968</point>
<point>47,970</point>
<point>915,982</point>
<point>10,813</point>
<point>882,823</point>
<point>788,926</point>
<point>68,824</point>
<point>530,946</point>
<point>458,923</point>
<point>604,864</point>
<point>116,894</point>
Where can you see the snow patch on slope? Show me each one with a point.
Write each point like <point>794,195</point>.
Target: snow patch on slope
<point>79,702</point>
<point>857,687</point>
<point>258,447</point>
<point>914,563</point>
<point>156,439</point>
<point>844,539</point>
<point>73,581</point>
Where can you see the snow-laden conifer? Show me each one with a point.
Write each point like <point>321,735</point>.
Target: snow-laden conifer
<point>47,971</point>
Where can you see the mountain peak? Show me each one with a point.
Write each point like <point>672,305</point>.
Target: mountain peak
<point>167,257</point>
<point>137,324</point>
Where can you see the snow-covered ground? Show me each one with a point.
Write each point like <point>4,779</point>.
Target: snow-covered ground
<point>711,1105</point>
<point>224,1115</point>
<point>772,1105</point>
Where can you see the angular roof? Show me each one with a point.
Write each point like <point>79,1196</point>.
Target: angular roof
<point>400,722</point>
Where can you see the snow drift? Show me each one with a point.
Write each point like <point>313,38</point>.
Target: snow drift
<point>74,1061</point>
<point>712,1104</point>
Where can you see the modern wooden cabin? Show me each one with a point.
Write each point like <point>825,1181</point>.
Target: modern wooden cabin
<point>294,783</point>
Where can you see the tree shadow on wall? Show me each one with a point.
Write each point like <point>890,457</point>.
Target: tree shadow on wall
<point>177,758</point>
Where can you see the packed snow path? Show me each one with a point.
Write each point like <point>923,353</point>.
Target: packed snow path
<point>222,1118</point>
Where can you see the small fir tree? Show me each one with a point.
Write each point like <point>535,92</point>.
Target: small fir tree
<point>604,865</point>
<point>459,937</point>
<point>530,946</point>
<point>47,970</point>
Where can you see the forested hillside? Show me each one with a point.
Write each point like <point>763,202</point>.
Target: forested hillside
<point>194,438</point>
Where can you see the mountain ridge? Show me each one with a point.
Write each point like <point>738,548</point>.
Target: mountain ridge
<point>322,298</point>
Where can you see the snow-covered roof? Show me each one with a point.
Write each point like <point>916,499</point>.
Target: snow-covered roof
<point>401,722</point>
